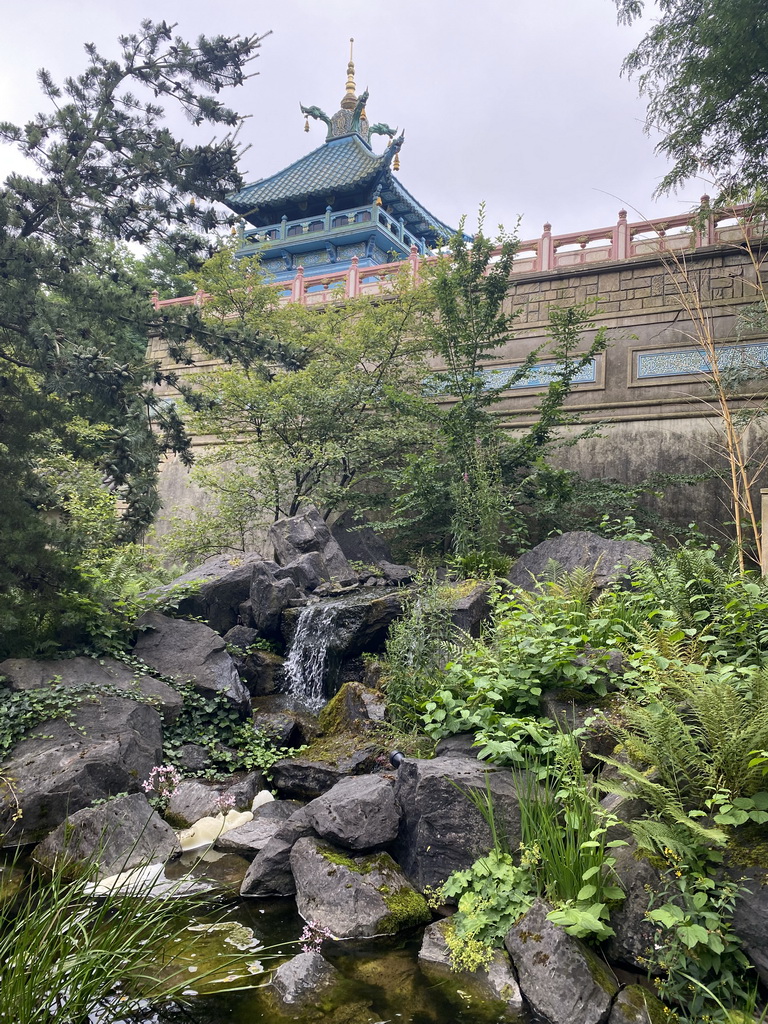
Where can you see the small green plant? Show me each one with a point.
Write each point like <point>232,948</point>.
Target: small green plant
<point>704,968</point>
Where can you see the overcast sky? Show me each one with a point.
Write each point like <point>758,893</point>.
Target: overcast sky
<point>516,102</point>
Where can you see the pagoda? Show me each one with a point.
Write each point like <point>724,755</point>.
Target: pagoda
<point>338,202</point>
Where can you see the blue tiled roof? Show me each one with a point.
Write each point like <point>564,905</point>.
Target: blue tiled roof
<point>341,164</point>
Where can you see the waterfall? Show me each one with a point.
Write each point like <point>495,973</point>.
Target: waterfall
<point>323,634</point>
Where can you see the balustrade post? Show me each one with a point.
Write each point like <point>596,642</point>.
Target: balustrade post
<point>352,289</point>
<point>297,288</point>
<point>283,223</point>
<point>155,298</point>
<point>620,243</point>
<point>199,296</point>
<point>413,259</point>
<point>545,256</point>
<point>327,218</point>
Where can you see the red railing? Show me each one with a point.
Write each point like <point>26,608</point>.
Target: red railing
<point>621,241</point>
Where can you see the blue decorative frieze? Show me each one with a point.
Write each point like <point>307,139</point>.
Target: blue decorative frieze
<point>539,375</point>
<point>311,259</point>
<point>680,362</point>
<point>273,266</point>
<point>346,252</point>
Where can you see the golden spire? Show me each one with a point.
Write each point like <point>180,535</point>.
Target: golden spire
<point>350,99</point>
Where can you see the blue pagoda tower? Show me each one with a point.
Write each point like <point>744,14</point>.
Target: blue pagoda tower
<point>338,202</point>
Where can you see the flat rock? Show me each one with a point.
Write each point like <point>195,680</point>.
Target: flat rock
<point>470,611</point>
<point>610,559</point>
<point>190,651</point>
<point>110,747</point>
<point>494,983</point>
<point>299,778</point>
<point>31,674</point>
<point>559,976</point>
<point>357,813</point>
<point>248,839</point>
<point>353,897</point>
<point>112,837</point>
<point>197,798</point>
<point>298,981</point>
<point>441,831</point>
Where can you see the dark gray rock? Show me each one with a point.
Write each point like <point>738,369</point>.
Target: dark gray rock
<point>561,978</point>
<point>358,813</point>
<point>298,981</point>
<point>582,713</point>
<point>301,779</point>
<point>635,1004</point>
<point>354,897</point>
<point>750,917</point>
<point>270,872</point>
<point>460,745</point>
<point>609,558</point>
<point>283,728</point>
<point>261,671</point>
<point>470,611</point>
<point>359,541</point>
<point>223,583</point>
<point>197,798</point>
<point>399,575</point>
<point>494,983</point>
<point>110,747</point>
<point>441,831</point>
<point>30,674</point>
<point>633,940</point>
<point>116,836</point>
<point>248,839</point>
<point>308,532</point>
<point>192,757</point>
<point>190,651</point>
<point>307,571</point>
<point>269,597</point>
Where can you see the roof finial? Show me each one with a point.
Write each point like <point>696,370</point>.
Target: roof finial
<point>350,99</point>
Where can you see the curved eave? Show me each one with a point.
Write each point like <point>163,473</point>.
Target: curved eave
<point>419,220</point>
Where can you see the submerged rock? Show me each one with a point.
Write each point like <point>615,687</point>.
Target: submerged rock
<point>353,897</point>
<point>495,983</point>
<point>298,981</point>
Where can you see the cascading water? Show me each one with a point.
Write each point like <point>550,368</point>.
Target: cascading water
<point>322,638</point>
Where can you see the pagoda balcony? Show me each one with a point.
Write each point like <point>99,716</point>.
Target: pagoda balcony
<point>336,226</point>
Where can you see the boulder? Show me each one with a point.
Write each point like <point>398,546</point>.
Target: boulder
<point>461,744</point>
<point>261,671</point>
<point>633,940</point>
<point>441,830</point>
<point>399,575</point>
<point>494,983</point>
<point>107,746</point>
<point>572,710</point>
<point>635,1004</point>
<point>115,836</point>
<point>308,532</point>
<point>270,872</point>
<point>359,541</point>
<point>354,708</point>
<point>559,976</point>
<point>193,758</point>
<point>298,981</point>
<point>469,611</point>
<point>610,559</point>
<point>284,728</point>
<point>96,674</point>
<point>190,651</point>
<point>269,598</point>
<point>195,798</point>
<point>299,778</point>
<point>353,897</point>
<point>357,813</point>
<point>217,589</point>
<point>306,572</point>
<point>750,916</point>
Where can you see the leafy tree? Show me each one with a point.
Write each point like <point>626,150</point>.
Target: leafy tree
<point>703,67</point>
<point>74,316</point>
<point>326,430</point>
